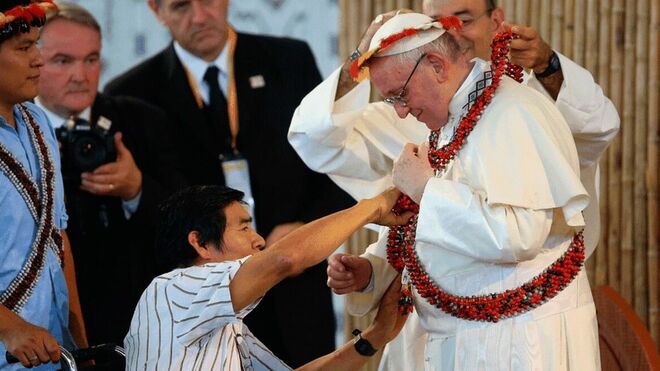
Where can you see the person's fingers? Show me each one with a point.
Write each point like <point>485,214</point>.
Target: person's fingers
<point>410,148</point>
<point>23,358</point>
<point>404,218</point>
<point>109,168</point>
<point>119,142</point>
<point>343,291</point>
<point>41,353</point>
<point>335,263</point>
<point>393,292</point>
<point>97,188</point>
<point>340,276</point>
<point>524,32</point>
<point>520,45</point>
<point>423,151</point>
<point>53,349</point>
<point>100,178</point>
<point>351,262</point>
<point>340,284</point>
<point>32,359</point>
<point>503,27</point>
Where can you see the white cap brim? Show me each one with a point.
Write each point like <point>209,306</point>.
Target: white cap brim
<point>429,31</point>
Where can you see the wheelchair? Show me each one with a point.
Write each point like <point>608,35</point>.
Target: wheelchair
<point>107,357</point>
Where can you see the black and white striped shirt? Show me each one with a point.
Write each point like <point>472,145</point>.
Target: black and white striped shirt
<point>185,321</point>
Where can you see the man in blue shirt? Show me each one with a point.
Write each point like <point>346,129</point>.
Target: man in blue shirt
<point>35,257</point>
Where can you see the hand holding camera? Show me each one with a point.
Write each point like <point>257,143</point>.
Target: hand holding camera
<point>121,178</point>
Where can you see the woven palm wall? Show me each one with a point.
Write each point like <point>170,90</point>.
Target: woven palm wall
<point>617,41</point>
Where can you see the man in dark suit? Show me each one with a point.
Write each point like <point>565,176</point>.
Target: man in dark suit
<point>231,97</point>
<point>111,206</point>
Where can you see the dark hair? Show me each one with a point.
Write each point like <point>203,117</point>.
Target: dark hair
<point>490,6</point>
<point>12,28</point>
<point>196,208</point>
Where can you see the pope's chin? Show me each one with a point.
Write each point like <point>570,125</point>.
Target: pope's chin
<point>431,124</point>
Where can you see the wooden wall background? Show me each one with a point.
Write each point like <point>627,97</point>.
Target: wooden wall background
<point>617,41</point>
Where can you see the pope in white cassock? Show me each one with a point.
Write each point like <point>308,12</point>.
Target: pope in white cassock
<point>506,206</point>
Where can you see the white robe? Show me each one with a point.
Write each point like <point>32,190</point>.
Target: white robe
<point>356,147</point>
<point>355,142</point>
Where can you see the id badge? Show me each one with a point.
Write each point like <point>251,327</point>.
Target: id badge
<point>237,176</point>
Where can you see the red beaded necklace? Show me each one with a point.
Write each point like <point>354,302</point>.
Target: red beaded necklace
<point>401,239</point>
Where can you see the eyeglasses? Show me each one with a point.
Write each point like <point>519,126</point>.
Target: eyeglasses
<point>400,98</point>
<point>471,21</point>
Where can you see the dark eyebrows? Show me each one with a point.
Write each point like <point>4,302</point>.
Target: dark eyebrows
<point>246,220</point>
<point>177,3</point>
<point>26,42</point>
<point>456,13</point>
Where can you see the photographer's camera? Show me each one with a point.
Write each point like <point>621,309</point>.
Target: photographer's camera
<point>84,146</point>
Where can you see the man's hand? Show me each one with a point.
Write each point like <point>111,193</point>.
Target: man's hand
<point>412,170</point>
<point>528,50</point>
<point>346,82</point>
<point>376,24</point>
<point>121,178</point>
<point>280,231</point>
<point>389,320</point>
<point>348,273</point>
<point>32,345</point>
<point>384,214</point>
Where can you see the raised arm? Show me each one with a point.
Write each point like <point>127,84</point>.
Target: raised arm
<point>307,246</point>
<point>591,116</point>
<point>336,131</point>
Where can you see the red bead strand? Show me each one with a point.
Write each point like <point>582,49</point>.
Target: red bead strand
<point>401,239</point>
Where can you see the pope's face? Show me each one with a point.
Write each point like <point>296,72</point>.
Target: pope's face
<point>70,76</point>
<point>479,22</point>
<point>427,96</point>
<point>200,26</point>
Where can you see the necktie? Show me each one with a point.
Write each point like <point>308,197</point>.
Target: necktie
<point>216,110</point>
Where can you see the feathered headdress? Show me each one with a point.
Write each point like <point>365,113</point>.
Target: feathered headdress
<point>21,17</point>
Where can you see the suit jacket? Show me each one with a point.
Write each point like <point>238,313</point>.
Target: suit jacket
<point>284,189</point>
<point>115,257</point>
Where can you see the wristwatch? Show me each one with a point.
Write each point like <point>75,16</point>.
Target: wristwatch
<point>553,66</point>
<point>355,55</point>
<point>362,346</point>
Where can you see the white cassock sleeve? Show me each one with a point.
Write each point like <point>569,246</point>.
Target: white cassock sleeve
<point>591,116</point>
<point>352,141</point>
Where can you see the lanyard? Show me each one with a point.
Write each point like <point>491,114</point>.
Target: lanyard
<point>232,98</point>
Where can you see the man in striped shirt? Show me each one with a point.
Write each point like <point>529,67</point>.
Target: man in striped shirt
<point>192,317</point>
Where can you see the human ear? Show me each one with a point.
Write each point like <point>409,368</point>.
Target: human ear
<point>193,240</point>
<point>497,18</point>
<point>438,64</point>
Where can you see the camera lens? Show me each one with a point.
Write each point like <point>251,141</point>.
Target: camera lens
<point>89,152</point>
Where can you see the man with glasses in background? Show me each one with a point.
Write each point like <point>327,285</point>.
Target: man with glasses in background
<point>332,140</point>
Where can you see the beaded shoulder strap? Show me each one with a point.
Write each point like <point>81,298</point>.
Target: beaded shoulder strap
<point>401,239</point>
<point>41,208</point>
